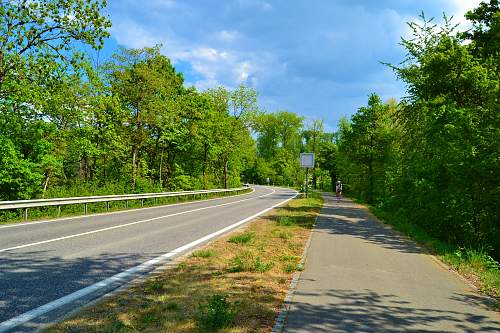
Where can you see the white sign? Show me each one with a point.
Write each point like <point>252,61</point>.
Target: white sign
<point>307,160</point>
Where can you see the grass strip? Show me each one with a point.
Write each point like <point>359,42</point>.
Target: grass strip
<point>234,284</point>
<point>474,264</point>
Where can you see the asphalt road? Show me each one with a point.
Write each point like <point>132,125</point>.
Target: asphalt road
<point>360,276</point>
<point>48,269</point>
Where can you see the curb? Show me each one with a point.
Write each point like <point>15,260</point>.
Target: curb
<point>279,324</point>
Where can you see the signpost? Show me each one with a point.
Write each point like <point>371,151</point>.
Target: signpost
<point>307,161</point>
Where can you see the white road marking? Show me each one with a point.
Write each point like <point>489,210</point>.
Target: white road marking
<point>24,224</point>
<point>32,314</point>
<point>126,224</point>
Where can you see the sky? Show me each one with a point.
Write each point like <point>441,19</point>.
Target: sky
<point>318,58</point>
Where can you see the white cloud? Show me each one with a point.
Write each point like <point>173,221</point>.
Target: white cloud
<point>226,36</point>
<point>320,59</point>
<point>131,34</point>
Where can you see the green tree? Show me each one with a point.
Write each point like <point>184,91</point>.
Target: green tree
<point>37,35</point>
<point>449,152</point>
<point>147,86</point>
<point>314,136</point>
<point>367,145</point>
<point>279,144</point>
<point>327,159</point>
<point>19,178</point>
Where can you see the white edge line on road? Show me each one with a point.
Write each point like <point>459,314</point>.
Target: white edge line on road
<point>32,314</point>
<point>127,224</point>
<point>25,224</point>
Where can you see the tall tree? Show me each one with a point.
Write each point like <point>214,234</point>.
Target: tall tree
<point>148,86</point>
<point>314,135</point>
<point>367,145</point>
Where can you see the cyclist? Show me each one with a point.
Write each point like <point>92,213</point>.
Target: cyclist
<point>338,190</point>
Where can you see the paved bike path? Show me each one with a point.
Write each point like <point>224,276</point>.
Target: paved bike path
<point>360,276</point>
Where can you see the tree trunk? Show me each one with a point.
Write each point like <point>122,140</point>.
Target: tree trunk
<point>46,183</point>
<point>160,168</point>
<point>225,174</point>
<point>333,178</point>
<point>134,157</point>
<point>370,172</point>
<point>205,156</point>
<point>86,167</point>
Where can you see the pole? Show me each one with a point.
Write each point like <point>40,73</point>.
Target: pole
<point>307,182</point>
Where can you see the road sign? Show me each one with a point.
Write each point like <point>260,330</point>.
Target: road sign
<point>307,160</point>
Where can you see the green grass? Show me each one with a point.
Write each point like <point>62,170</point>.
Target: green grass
<point>203,253</point>
<point>243,238</point>
<point>285,221</point>
<point>473,263</point>
<point>248,261</point>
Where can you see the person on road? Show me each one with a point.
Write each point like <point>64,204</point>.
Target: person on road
<point>338,190</point>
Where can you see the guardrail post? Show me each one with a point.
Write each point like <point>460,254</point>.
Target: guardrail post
<point>85,208</point>
<point>156,200</point>
<point>142,202</point>
<point>26,214</point>
<point>58,210</point>
<point>107,206</point>
<point>126,203</point>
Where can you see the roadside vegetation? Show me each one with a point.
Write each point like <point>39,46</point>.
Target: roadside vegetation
<point>429,164</point>
<point>235,284</point>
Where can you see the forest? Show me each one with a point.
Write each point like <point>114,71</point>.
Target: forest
<point>72,124</point>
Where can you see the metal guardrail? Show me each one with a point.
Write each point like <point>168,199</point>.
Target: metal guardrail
<point>25,204</point>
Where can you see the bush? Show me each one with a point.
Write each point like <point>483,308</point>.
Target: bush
<point>285,221</point>
<point>216,313</point>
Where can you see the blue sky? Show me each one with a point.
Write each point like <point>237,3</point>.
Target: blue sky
<point>318,58</point>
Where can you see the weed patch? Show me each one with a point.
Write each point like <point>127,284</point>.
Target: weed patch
<point>248,262</point>
<point>203,254</point>
<point>243,238</point>
<point>216,313</point>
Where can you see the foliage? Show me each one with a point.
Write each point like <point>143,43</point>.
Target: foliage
<point>434,157</point>
<point>17,176</point>
<point>37,40</point>
<point>216,313</point>
<point>366,147</point>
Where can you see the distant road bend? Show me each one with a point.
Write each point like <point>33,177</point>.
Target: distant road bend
<point>50,268</point>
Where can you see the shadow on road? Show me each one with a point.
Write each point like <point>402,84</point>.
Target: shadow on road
<point>351,219</point>
<point>368,311</point>
<point>31,279</point>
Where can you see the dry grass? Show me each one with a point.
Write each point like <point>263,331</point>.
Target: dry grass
<point>255,276</point>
